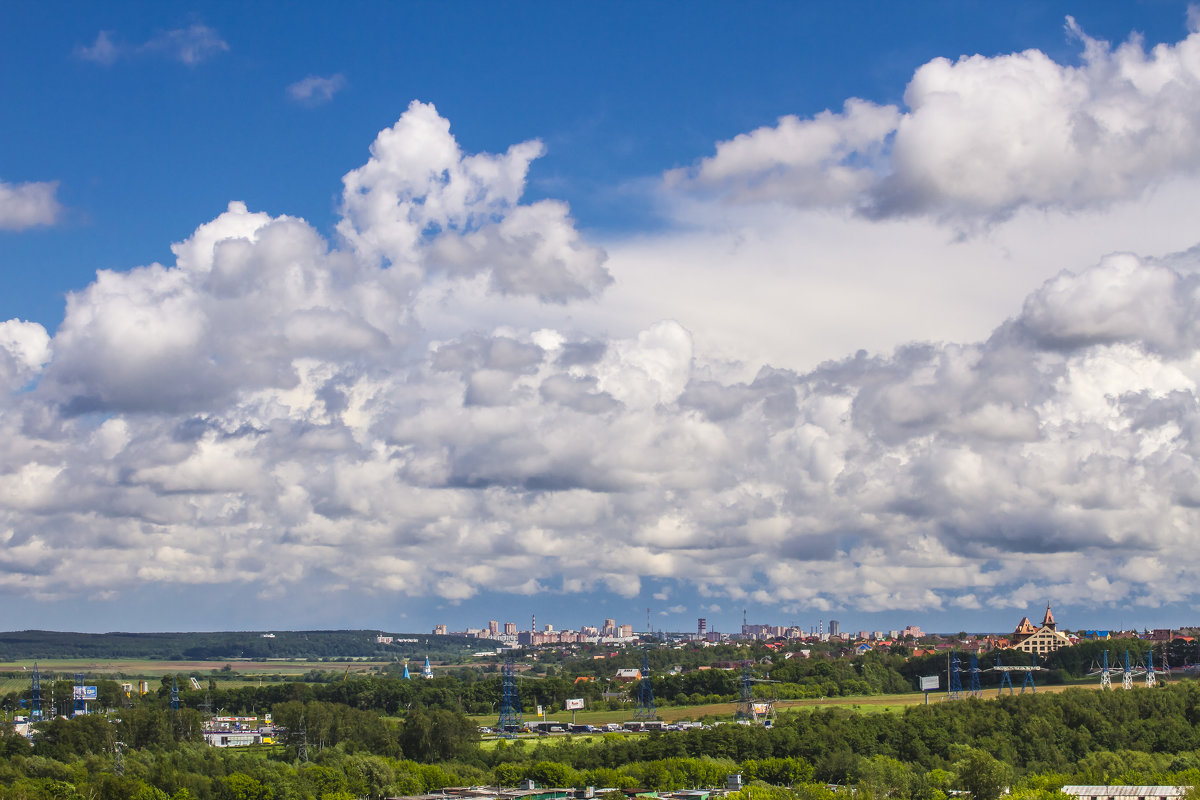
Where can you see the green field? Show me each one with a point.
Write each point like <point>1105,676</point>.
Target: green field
<point>867,705</point>
<point>864,704</point>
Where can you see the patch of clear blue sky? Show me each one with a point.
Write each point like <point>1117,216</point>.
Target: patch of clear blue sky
<point>148,148</point>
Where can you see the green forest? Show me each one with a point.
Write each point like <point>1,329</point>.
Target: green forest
<point>331,750</point>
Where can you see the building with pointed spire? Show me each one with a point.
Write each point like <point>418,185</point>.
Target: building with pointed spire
<point>406,676</point>
<point>428,671</point>
<point>1041,640</point>
<point>1048,620</point>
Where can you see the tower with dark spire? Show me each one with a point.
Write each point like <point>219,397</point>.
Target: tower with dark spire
<point>1048,620</point>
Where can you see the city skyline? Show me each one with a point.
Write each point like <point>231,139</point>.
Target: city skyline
<point>339,319</point>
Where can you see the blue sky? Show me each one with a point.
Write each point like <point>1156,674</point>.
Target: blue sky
<point>770,313</point>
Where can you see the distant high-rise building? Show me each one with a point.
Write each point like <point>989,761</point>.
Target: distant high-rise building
<point>835,627</point>
<point>510,628</point>
<point>439,630</point>
<point>493,627</point>
<point>701,627</point>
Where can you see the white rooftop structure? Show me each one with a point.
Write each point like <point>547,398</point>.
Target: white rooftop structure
<point>1126,792</point>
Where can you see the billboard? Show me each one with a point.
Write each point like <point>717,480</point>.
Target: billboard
<point>762,708</point>
<point>84,693</point>
<point>573,704</point>
<point>929,683</point>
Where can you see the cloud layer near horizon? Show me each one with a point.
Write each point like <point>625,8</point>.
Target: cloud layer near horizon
<point>275,407</point>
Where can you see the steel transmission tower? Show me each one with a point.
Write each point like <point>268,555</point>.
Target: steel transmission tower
<point>1150,669</point>
<point>746,705</point>
<point>645,694</point>
<point>1005,679</point>
<point>80,704</point>
<point>975,690</point>
<point>35,702</point>
<point>302,743</point>
<point>510,702</point>
<point>1105,677</point>
<point>1127,675</point>
<point>954,679</point>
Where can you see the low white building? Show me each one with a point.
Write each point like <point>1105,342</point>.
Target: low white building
<point>233,738</point>
<point>1126,792</point>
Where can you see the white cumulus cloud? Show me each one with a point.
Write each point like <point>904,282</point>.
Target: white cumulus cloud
<point>278,410</point>
<point>981,137</point>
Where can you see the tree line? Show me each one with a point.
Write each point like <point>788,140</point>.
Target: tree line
<point>224,645</point>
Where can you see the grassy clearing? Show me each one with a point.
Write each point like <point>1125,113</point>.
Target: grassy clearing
<point>870,704</point>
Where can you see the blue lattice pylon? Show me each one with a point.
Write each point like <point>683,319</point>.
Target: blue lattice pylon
<point>975,690</point>
<point>35,702</point>
<point>510,702</point>
<point>80,704</point>
<point>645,693</point>
<point>1005,680</point>
<point>954,679</point>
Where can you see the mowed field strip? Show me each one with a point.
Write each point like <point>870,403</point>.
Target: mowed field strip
<point>866,704</point>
